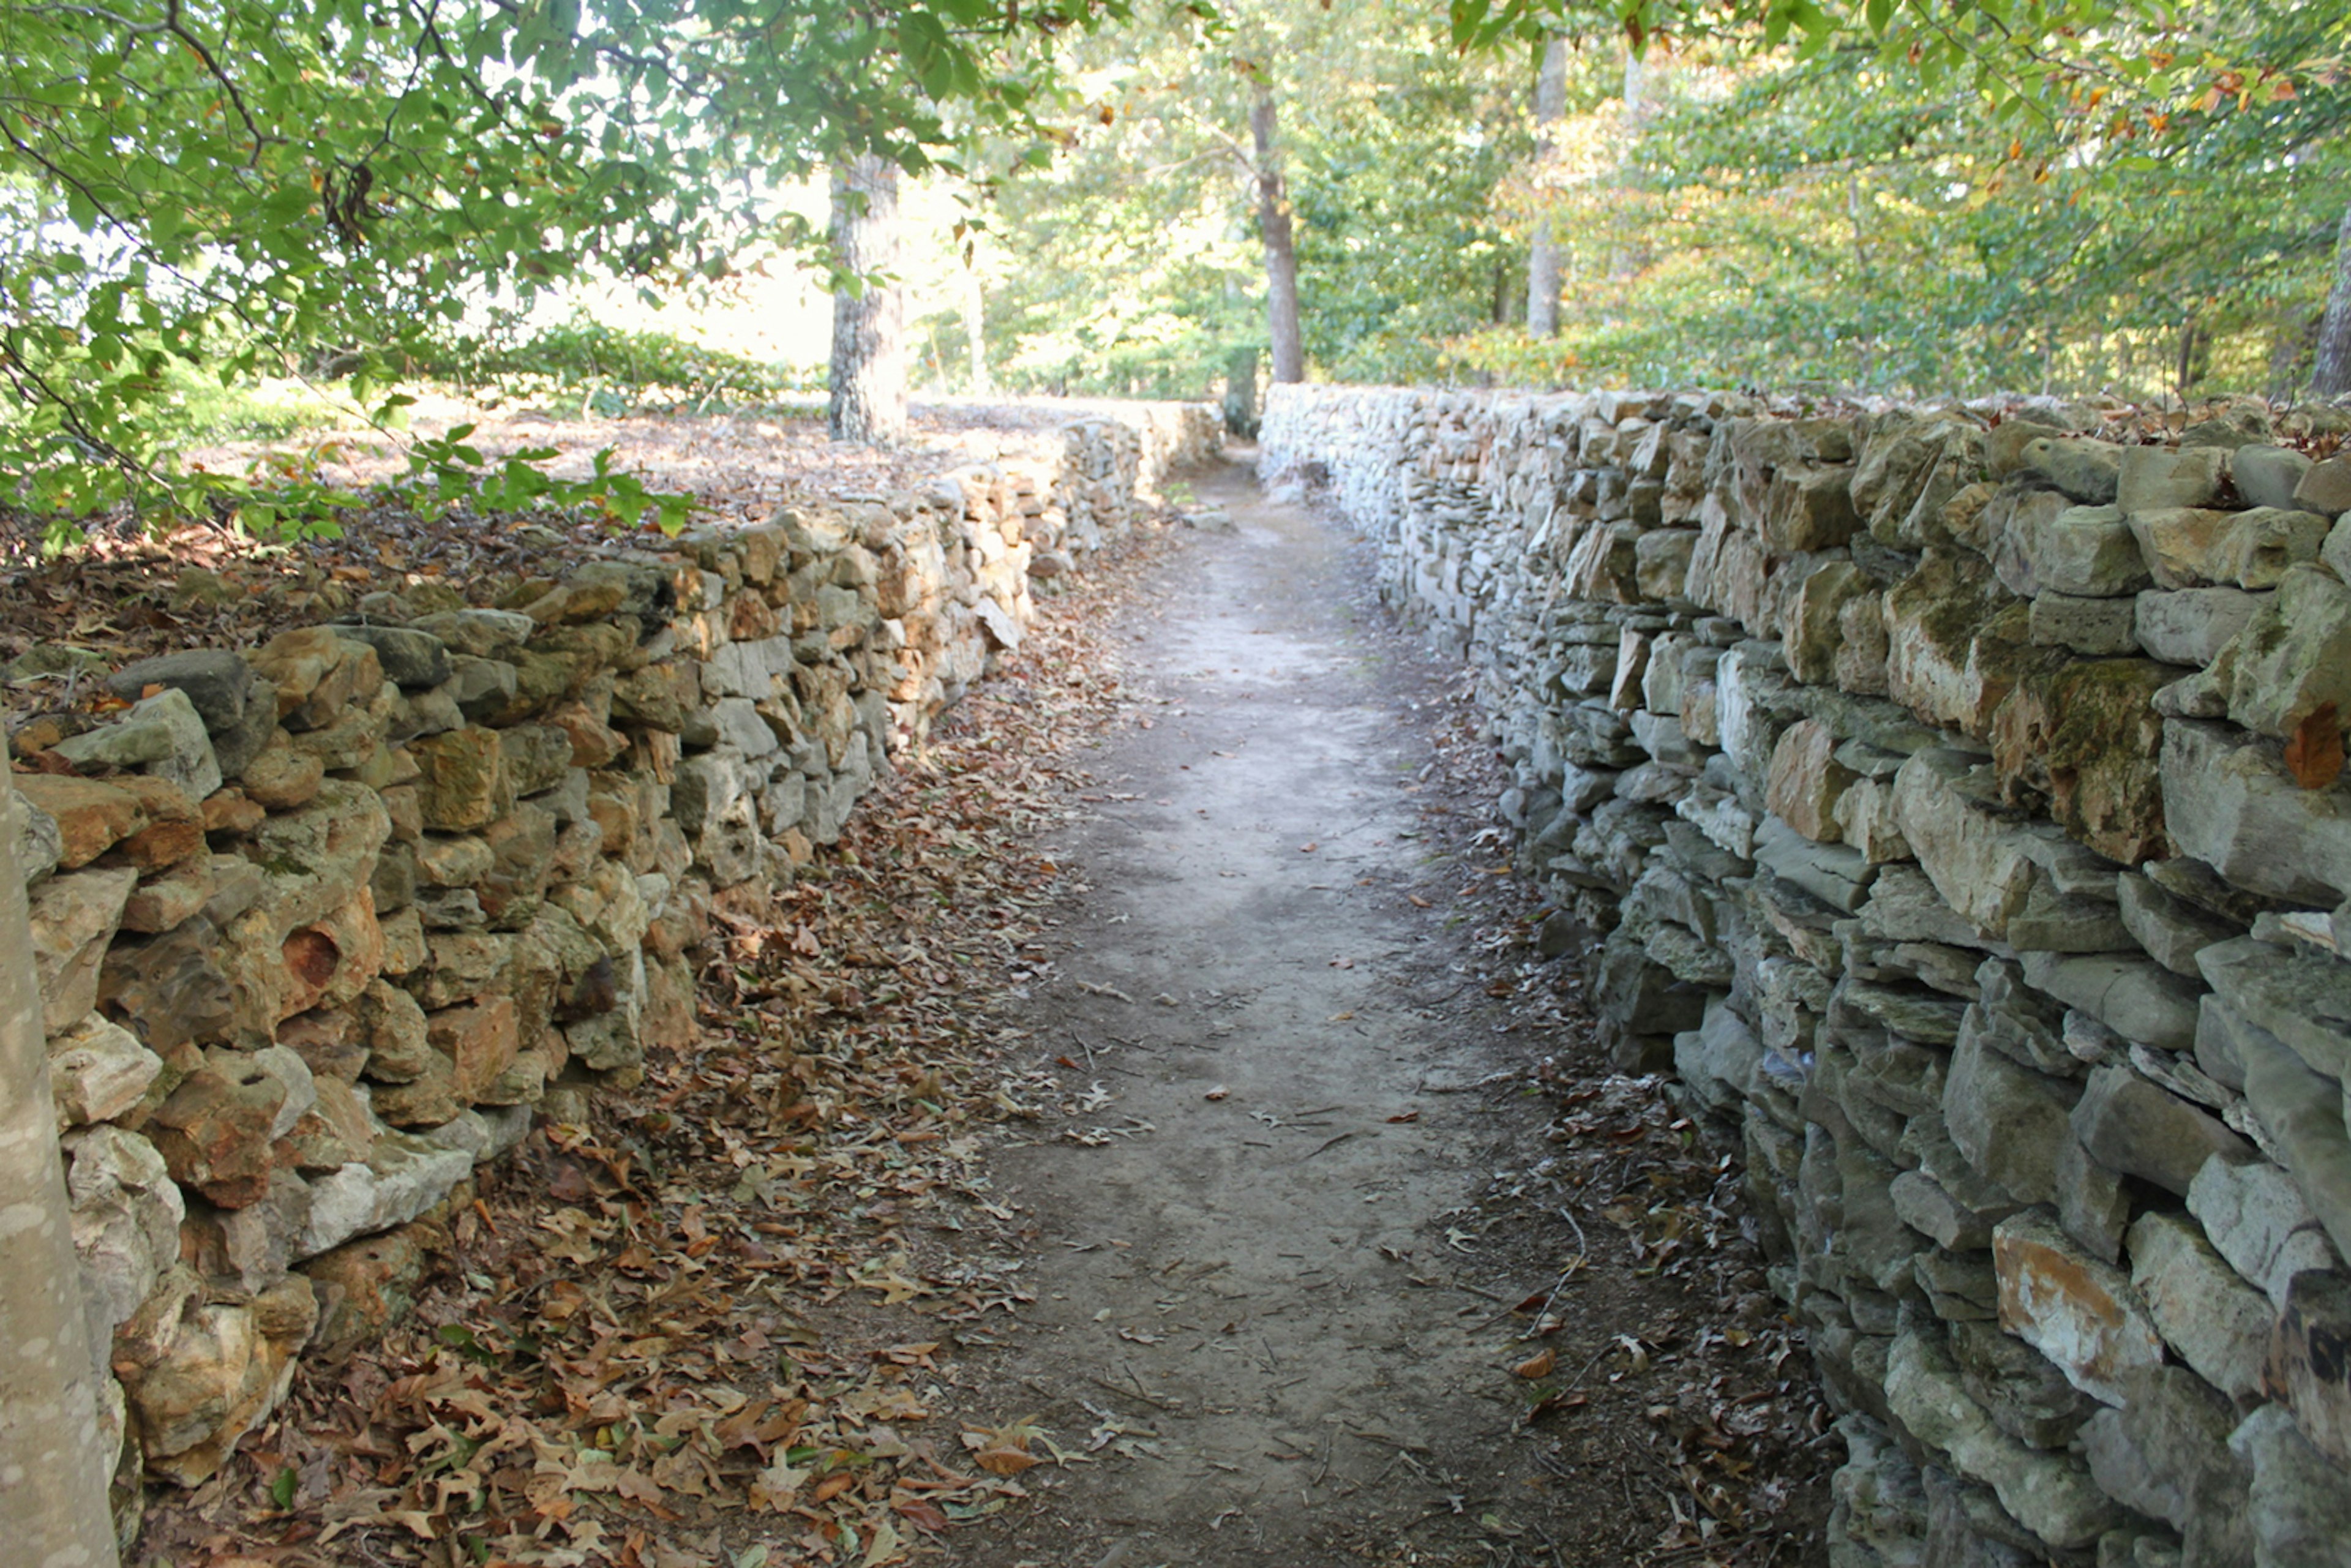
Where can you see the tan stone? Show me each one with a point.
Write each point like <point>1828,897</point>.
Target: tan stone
<point>201,1374</point>
<point>74,917</point>
<point>480,1042</point>
<point>282,777</point>
<point>462,780</point>
<point>1957,641</point>
<point>2087,738</point>
<point>1806,780</point>
<point>2083,1314</point>
<point>92,816</point>
<point>1865,819</point>
<point>231,811</point>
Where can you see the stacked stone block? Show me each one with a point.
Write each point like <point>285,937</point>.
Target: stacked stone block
<point>1953,795</point>
<point>320,924</point>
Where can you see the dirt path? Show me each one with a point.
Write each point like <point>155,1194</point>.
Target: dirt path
<point>1266,1296</point>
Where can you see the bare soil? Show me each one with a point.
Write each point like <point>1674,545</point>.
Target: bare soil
<point>1316,1160</point>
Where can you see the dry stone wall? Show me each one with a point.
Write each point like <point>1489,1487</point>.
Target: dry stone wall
<point>1949,798</point>
<point>321,924</point>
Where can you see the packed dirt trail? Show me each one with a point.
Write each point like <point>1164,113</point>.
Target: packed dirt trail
<point>1266,1297</point>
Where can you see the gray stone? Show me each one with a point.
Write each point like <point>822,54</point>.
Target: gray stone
<point>1836,874</point>
<point>1719,1059</point>
<point>2095,627</point>
<point>2215,1321</point>
<point>1924,1205</point>
<point>126,1222</point>
<point>2087,552</point>
<point>2301,1508</point>
<point>2166,1453</point>
<point>2192,625</point>
<point>2258,1219</point>
<point>2326,488</point>
<point>2131,1126</point>
<point>2308,1367</point>
<point>2024,1393</point>
<point>2291,658</point>
<point>2268,475</point>
<point>2303,997</point>
<point>731,721</point>
<point>217,684</point>
<point>2050,1494</point>
<point>2151,477</point>
<point>476,634</point>
<point>2087,471</point>
<point>2009,1122</point>
<point>481,688</point>
<point>162,734</point>
<point>98,1070</point>
<point>2136,998</point>
<point>2171,930</point>
<point>2083,1314</point>
<point>405,1175</point>
<point>2301,1112</point>
<point>2093,1205</point>
<point>2018,1022</point>
<point>2233,806</point>
<point>410,658</point>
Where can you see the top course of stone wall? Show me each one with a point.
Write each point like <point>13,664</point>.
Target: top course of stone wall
<point>1951,798</point>
<point>318,921</point>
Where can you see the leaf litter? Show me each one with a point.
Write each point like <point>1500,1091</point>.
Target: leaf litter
<point>710,1324</point>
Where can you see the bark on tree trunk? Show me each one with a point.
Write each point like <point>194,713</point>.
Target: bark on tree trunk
<point>1543,249</point>
<point>868,379</point>
<point>2330,370</point>
<point>53,1465</point>
<point>1289,348</point>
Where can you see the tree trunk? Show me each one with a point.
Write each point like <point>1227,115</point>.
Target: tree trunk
<point>1289,348</point>
<point>53,1464</point>
<point>2330,372</point>
<point>975,324</point>
<point>868,381</point>
<point>1543,249</point>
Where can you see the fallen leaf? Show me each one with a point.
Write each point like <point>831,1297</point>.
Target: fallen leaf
<point>1537,1366</point>
<point>1219,1093</point>
<point>2314,754</point>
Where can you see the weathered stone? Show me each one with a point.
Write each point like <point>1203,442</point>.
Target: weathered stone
<point>2192,625</point>
<point>477,634</point>
<point>393,1027</point>
<point>2233,806</point>
<point>2291,658</point>
<point>2301,997</point>
<point>1977,862</point>
<point>217,684</point>
<point>408,657</point>
<point>2083,1314</point>
<point>2165,1452</point>
<point>2195,547</point>
<point>1806,780</point>
<point>2301,1112</point>
<point>479,1039</point>
<point>99,1071</point>
<point>2136,998</point>
<point>2260,1223</point>
<point>90,817</point>
<point>214,1131</point>
<point>2087,552</point>
<point>2096,627</point>
<point>201,1374</point>
<point>163,734</point>
<point>282,777</point>
<point>2024,1393</point>
<point>2172,930</point>
<point>462,782</point>
<point>1833,873</point>
<point>2153,477</point>
<point>538,756</point>
<point>2307,1359</point>
<point>2089,472</point>
<point>1957,641</point>
<point>481,688</point>
<point>2300,1509</point>
<point>2010,1121</point>
<point>2134,1127</point>
<point>74,919</point>
<point>2268,475</point>
<point>2089,738</point>
<point>2050,1494</point>
<point>2325,487</point>
<point>2215,1321</point>
<point>126,1222</point>
<point>405,1174</point>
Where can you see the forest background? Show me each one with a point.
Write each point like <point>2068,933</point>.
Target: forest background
<point>220,218</point>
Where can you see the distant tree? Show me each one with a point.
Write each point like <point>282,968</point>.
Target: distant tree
<point>866,400</point>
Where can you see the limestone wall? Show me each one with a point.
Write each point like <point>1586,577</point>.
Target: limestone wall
<point>320,922</point>
<point>1951,795</point>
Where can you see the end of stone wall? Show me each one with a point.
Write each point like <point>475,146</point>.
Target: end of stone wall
<point>1952,799</point>
<point>321,926</point>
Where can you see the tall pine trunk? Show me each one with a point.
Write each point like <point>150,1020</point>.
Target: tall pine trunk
<point>868,381</point>
<point>1542,250</point>
<point>52,1462</point>
<point>2330,373</point>
<point>1289,348</point>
